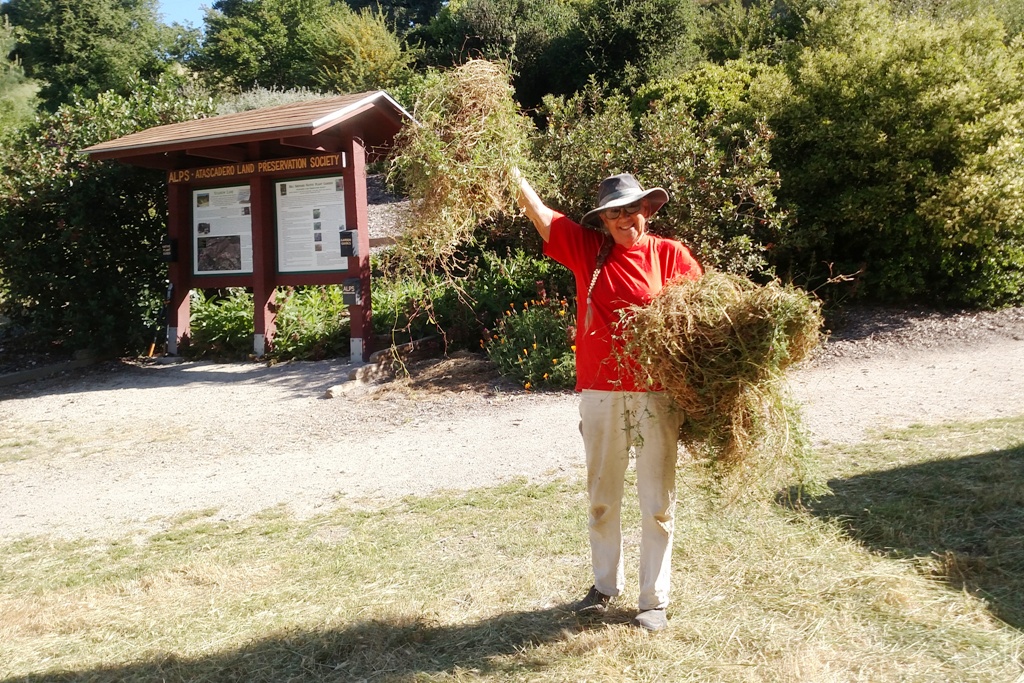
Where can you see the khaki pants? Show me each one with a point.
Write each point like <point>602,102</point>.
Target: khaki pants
<point>612,423</point>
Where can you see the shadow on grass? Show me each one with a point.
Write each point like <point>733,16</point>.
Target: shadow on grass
<point>964,515</point>
<point>378,650</point>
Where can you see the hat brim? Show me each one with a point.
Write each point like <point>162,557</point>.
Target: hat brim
<point>656,197</point>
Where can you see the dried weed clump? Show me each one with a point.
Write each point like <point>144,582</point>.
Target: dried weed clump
<point>456,165</point>
<point>720,346</point>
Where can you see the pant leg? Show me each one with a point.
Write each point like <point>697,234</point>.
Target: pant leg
<point>606,442</point>
<point>656,424</point>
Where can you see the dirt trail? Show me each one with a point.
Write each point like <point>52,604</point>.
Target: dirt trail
<point>121,449</point>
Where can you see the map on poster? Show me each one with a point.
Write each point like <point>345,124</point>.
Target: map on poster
<point>310,223</point>
<point>222,231</point>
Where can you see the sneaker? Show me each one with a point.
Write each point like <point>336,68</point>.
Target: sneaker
<point>651,620</point>
<point>594,602</point>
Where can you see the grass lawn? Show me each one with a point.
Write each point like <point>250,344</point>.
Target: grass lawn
<point>912,570</point>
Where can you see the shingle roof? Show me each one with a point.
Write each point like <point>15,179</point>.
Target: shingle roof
<point>376,112</point>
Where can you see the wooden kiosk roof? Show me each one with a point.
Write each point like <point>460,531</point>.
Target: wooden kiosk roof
<point>284,130</point>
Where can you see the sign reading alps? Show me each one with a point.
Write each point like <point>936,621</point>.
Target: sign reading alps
<point>250,168</point>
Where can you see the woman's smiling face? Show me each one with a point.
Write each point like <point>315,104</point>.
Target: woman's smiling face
<point>627,224</point>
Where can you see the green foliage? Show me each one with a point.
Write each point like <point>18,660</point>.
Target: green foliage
<point>355,51</point>
<point>221,326</point>
<point>533,344</point>
<point>264,43</point>
<point>404,15</point>
<point>461,308</point>
<point>80,240</point>
<point>312,324</point>
<point>17,91</point>
<point>885,113</point>
<point>539,39</point>
<point>631,42</point>
<point>719,176</point>
<point>763,30</point>
<point>740,89</point>
<point>80,49</point>
<point>979,213</point>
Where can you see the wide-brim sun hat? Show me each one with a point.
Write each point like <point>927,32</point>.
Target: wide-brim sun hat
<point>622,190</point>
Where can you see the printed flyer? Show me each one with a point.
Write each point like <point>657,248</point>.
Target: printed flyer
<point>222,231</point>
<point>310,223</point>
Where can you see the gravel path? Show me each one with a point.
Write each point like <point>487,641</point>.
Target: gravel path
<point>121,449</point>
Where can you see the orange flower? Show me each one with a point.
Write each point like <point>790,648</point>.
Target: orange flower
<point>527,386</point>
<point>573,347</point>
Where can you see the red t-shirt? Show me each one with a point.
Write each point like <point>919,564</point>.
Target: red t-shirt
<point>629,277</point>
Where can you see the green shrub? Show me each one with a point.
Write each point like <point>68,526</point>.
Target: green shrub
<point>881,148</point>
<point>312,323</point>
<point>222,326</point>
<point>532,343</point>
<point>459,309</point>
<point>80,240</point>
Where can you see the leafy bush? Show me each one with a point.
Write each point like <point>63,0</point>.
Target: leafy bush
<point>222,326</point>
<point>979,211</point>
<point>355,51</point>
<point>80,240</point>
<point>312,324</point>
<point>460,309</point>
<point>533,344</point>
<point>539,39</point>
<point>719,176</point>
<point>631,42</point>
<point>881,150</point>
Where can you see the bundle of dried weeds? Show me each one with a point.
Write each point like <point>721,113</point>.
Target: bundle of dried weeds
<point>720,346</point>
<point>456,164</point>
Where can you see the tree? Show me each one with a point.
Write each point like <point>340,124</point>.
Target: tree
<point>266,43</point>
<point>17,92</point>
<point>81,49</point>
<point>631,42</point>
<point>355,51</point>
<point>80,240</point>
<point>880,146</point>
<point>405,16</point>
<point>539,39</point>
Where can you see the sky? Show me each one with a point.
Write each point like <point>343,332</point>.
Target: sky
<point>184,11</point>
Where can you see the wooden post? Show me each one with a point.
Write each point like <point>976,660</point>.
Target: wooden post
<point>264,266</point>
<point>356,218</point>
<point>179,271</point>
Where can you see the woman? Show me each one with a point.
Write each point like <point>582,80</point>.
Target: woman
<point>617,264</point>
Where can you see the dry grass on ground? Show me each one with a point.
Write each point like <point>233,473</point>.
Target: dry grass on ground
<point>472,586</point>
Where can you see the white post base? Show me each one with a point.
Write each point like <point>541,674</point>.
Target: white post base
<point>355,350</point>
<point>259,344</point>
<point>172,341</point>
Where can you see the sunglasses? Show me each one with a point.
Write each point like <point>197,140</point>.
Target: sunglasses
<point>619,211</point>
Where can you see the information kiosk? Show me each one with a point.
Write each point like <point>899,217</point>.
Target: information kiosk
<point>267,198</point>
